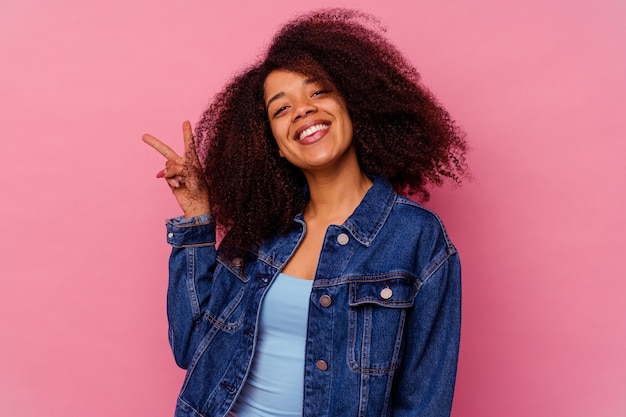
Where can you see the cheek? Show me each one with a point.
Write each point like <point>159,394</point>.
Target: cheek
<point>344,115</point>
<point>277,140</point>
<point>280,132</point>
<point>347,126</point>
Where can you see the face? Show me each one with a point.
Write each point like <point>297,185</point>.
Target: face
<point>310,122</point>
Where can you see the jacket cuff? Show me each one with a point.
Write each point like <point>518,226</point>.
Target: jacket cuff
<point>193,231</point>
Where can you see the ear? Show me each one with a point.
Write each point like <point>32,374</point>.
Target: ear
<point>281,154</point>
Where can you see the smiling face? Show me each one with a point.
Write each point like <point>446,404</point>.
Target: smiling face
<point>309,121</point>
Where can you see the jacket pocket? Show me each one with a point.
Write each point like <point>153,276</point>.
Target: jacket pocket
<point>226,310</point>
<point>378,309</point>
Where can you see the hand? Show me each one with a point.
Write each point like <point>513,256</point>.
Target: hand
<point>183,174</point>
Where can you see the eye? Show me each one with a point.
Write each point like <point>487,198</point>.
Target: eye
<point>280,110</point>
<point>319,92</point>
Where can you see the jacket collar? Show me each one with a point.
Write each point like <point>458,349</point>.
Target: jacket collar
<point>364,224</point>
<point>370,216</point>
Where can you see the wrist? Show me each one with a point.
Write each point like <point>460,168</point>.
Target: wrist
<point>196,210</point>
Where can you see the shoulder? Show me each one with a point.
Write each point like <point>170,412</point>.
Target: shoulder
<point>411,220</point>
<point>409,210</point>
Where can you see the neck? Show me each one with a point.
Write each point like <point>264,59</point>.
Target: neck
<point>334,196</point>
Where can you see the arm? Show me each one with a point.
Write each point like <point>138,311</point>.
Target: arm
<point>191,267</point>
<point>192,237</point>
<point>424,383</point>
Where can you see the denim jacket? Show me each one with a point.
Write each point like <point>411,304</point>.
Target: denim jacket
<point>383,317</point>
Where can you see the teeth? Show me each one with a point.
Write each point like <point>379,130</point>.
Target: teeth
<point>311,130</point>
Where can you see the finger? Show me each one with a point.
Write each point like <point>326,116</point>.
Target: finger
<point>173,182</point>
<point>173,169</point>
<point>162,148</point>
<point>190,146</point>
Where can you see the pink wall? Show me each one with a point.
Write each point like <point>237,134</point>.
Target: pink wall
<point>539,86</point>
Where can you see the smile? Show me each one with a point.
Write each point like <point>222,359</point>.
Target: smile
<point>311,130</point>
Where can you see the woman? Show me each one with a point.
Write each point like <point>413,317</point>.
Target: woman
<point>330,294</point>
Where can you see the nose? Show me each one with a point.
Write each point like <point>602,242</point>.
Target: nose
<point>303,109</point>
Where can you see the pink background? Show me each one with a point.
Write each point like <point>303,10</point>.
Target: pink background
<point>539,86</point>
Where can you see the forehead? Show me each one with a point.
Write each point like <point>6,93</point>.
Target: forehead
<point>281,80</point>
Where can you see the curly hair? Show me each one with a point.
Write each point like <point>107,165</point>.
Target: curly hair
<point>401,132</point>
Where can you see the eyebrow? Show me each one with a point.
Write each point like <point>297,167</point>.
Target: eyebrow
<point>282,94</point>
<point>274,98</point>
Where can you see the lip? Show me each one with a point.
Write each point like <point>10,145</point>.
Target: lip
<point>304,127</point>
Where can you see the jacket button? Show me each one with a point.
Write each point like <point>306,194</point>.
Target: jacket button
<point>170,235</point>
<point>321,365</point>
<point>325,300</point>
<point>386,293</point>
<point>237,262</point>
<point>343,239</point>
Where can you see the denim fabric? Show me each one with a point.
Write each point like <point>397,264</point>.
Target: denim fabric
<point>383,323</point>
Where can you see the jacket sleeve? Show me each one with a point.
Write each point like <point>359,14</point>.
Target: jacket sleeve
<point>191,267</point>
<point>425,380</point>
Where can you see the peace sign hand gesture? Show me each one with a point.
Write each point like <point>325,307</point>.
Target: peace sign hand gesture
<point>183,174</point>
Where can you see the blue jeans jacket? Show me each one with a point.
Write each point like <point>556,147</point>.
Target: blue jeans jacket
<point>383,323</point>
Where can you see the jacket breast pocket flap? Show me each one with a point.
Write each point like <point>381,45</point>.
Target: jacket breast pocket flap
<point>390,292</point>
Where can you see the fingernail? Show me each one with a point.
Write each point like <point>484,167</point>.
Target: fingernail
<point>173,182</point>
<point>160,174</point>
